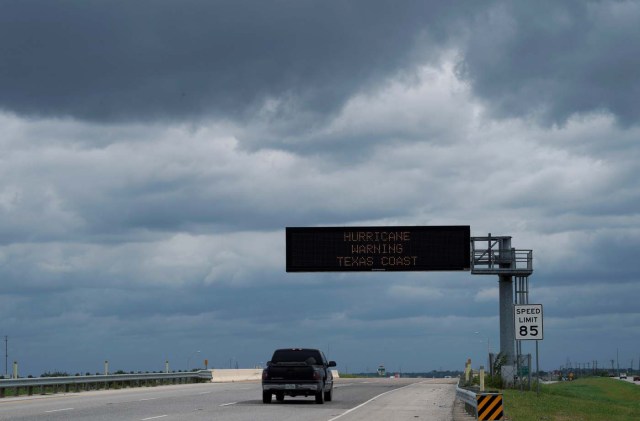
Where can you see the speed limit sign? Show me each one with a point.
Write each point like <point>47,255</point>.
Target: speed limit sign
<point>528,322</point>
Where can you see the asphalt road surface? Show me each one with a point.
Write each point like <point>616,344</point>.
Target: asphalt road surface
<point>353,400</point>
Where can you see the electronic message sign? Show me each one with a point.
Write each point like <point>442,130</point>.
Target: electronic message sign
<point>358,249</point>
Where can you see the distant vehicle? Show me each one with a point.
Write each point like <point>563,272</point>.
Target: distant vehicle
<point>298,372</point>
<point>636,378</point>
<point>623,375</point>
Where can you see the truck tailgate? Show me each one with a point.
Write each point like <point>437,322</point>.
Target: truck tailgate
<point>291,372</point>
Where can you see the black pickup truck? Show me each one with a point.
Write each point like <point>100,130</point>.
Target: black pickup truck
<point>298,372</point>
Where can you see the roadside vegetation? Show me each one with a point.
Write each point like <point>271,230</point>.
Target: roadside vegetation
<point>585,399</point>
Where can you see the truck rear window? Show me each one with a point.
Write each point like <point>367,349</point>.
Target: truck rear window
<point>296,356</point>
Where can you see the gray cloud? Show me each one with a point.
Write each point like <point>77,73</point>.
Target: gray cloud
<point>173,60</point>
<point>134,61</point>
<point>574,57</point>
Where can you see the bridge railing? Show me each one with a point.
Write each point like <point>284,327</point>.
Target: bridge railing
<point>78,383</point>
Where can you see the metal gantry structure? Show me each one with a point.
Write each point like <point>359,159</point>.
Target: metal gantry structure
<point>493,255</point>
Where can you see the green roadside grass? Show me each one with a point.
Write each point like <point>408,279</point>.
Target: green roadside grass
<point>347,376</point>
<point>588,399</point>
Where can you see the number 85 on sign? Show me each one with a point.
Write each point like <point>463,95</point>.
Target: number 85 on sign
<point>528,322</point>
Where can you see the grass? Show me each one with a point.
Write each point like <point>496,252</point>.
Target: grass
<point>589,399</point>
<point>349,376</point>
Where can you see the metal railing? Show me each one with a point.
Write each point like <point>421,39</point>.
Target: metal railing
<point>514,261</point>
<point>493,255</point>
<point>469,399</point>
<point>101,381</point>
<point>483,405</point>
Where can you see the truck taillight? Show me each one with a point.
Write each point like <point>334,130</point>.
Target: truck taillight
<point>316,375</point>
<point>265,375</point>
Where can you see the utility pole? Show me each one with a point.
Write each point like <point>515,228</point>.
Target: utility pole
<point>6,355</point>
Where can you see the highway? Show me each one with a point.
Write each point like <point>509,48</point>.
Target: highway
<point>354,399</point>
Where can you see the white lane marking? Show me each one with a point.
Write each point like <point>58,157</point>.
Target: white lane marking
<point>58,410</point>
<point>228,404</point>
<point>153,418</point>
<point>371,400</point>
<point>148,399</point>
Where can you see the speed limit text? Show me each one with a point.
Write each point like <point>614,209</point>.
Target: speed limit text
<point>528,315</point>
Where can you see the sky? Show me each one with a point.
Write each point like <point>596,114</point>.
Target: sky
<point>152,154</point>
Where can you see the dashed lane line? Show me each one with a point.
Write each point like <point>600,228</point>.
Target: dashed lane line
<point>58,410</point>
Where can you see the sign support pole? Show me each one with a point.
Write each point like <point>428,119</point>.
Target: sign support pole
<point>537,371</point>
<point>507,322</point>
<point>6,356</point>
<point>507,339</point>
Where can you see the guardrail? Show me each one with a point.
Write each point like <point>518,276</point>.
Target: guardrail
<point>482,405</point>
<point>100,381</point>
<point>469,399</point>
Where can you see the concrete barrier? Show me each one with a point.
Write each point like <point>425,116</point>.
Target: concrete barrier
<point>235,375</point>
<point>335,373</point>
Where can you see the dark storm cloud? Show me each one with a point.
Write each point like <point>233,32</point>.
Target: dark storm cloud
<point>124,60</point>
<point>554,59</point>
<point>169,60</point>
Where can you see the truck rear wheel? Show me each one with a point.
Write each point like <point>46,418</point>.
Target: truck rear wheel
<point>320,396</point>
<point>266,397</point>
<point>328,396</point>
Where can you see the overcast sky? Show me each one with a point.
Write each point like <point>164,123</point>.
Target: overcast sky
<point>153,152</point>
